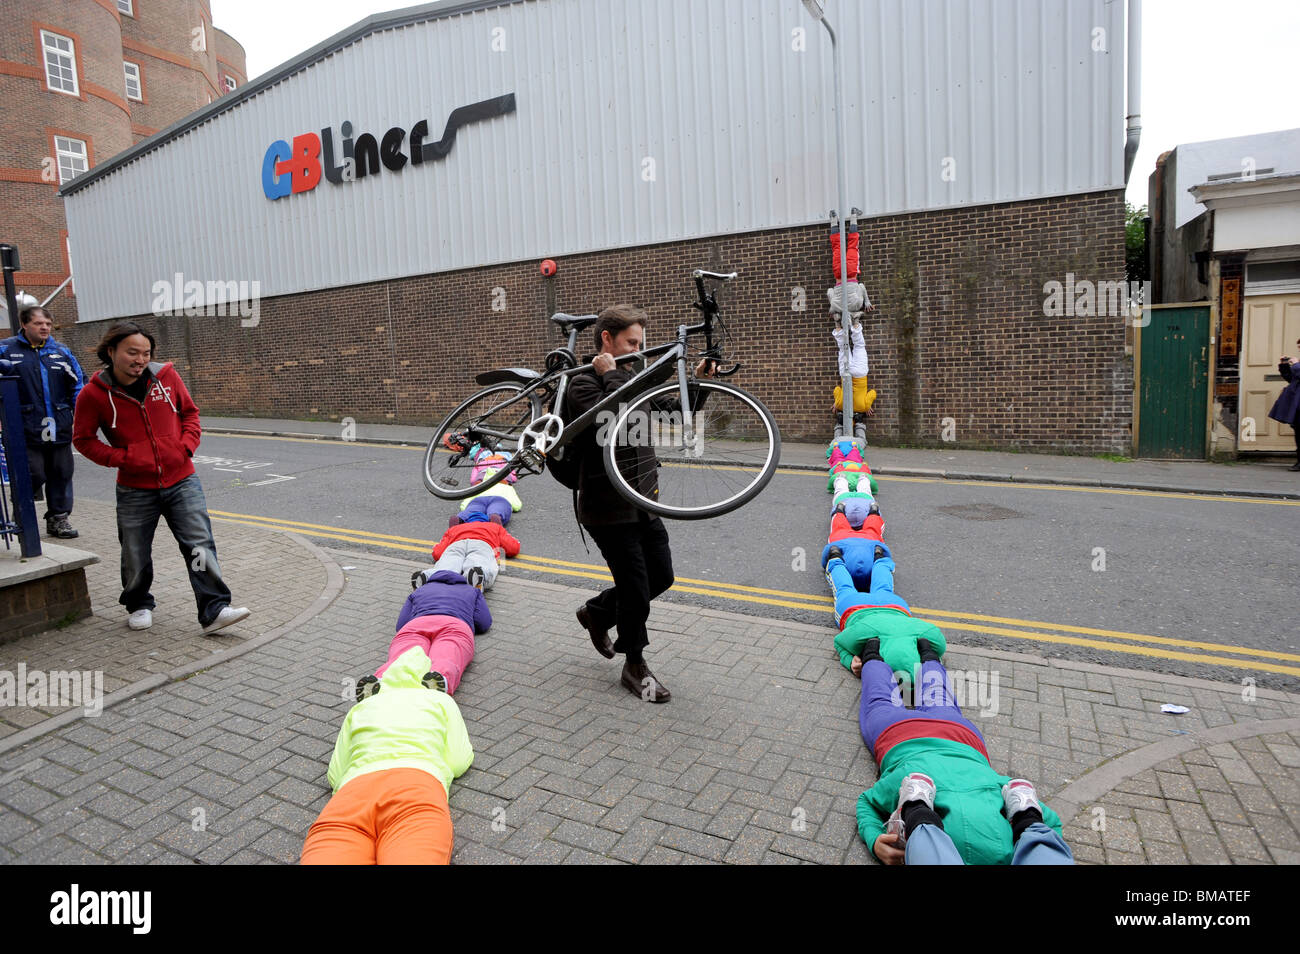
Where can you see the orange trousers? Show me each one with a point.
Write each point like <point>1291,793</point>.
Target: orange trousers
<point>394,816</point>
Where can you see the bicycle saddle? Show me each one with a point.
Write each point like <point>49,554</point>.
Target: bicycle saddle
<point>571,322</point>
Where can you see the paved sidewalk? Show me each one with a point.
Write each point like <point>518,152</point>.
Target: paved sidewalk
<point>756,760</point>
<point>1267,477</point>
<point>276,575</point>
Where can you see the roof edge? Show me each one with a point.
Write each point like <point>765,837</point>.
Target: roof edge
<point>375,23</point>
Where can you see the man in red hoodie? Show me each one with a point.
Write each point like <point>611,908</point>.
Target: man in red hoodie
<point>152,427</point>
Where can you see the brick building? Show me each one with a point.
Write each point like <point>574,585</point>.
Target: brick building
<point>631,141</point>
<point>80,81</point>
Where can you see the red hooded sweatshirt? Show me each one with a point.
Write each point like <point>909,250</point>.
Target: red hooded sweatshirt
<point>493,534</point>
<point>150,442</point>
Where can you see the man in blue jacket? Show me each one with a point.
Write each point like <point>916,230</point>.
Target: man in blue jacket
<point>49,380</point>
<point>442,618</point>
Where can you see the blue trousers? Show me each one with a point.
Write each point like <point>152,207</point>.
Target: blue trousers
<point>186,512</point>
<point>848,595</point>
<point>1038,845</point>
<point>882,705</point>
<point>480,509</point>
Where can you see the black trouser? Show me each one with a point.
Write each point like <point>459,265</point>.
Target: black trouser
<point>642,566</point>
<point>1295,427</point>
<point>51,467</point>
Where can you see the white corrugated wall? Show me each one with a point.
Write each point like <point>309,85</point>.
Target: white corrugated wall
<point>736,119</point>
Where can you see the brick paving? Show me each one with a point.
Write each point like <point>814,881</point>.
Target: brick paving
<point>266,570</point>
<point>756,760</point>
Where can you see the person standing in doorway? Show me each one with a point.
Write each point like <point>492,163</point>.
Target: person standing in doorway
<point>152,428</point>
<point>49,380</point>
<point>1286,409</point>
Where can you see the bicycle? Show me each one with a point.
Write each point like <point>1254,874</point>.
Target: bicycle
<point>717,453</point>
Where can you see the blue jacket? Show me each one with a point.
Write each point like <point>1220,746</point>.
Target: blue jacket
<point>49,380</point>
<point>447,594</point>
<point>1287,406</point>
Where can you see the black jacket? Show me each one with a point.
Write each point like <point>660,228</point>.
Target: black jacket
<point>599,504</point>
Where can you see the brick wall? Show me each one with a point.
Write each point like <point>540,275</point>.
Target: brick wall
<point>35,606</point>
<point>959,331</point>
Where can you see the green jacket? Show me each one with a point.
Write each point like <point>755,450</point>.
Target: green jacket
<point>968,798</point>
<point>404,725</point>
<point>897,633</point>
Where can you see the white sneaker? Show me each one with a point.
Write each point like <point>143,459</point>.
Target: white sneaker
<point>1019,795</point>
<point>916,787</point>
<point>140,619</point>
<point>227,617</point>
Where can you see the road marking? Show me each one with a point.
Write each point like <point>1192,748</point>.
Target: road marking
<point>273,479</point>
<point>815,603</point>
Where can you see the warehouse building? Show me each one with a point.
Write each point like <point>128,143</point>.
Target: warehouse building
<point>358,232</point>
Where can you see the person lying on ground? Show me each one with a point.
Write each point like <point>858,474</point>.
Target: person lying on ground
<point>391,773</point>
<point>879,613</point>
<point>441,618</point>
<point>938,799</point>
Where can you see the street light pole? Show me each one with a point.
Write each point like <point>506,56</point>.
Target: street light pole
<point>817,9</point>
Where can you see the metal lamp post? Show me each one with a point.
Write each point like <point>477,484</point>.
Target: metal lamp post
<point>817,9</point>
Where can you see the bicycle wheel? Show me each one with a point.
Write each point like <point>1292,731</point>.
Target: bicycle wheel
<point>734,453</point>
<point>494,418</point>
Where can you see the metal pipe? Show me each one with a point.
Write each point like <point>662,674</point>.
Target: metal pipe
<point>841,159</point>
<point>54,294</point>
<point>1133,121</point>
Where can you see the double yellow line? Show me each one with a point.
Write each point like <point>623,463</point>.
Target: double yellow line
<point>1138,644</point>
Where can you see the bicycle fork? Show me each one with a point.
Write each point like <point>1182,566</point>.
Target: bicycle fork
<point>693,442</point>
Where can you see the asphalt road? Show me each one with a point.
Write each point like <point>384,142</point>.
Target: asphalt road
<point>1064,572</point>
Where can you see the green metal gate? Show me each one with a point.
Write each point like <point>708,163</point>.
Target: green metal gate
<point>1173,382</point>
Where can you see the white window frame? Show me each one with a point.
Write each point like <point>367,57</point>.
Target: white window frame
<point>127,66</point>
<point>230,83</point>
<point>60,152</point>
<point>126,7</point>
<point>48,48</point>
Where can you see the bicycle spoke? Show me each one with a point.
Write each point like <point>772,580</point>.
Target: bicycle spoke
<point>731,457</point>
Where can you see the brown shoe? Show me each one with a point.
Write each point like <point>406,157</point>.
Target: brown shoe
<point>640,681</point>
<point>599,637</point>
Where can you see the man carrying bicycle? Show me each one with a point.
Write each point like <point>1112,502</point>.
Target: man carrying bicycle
<point>633,543</point>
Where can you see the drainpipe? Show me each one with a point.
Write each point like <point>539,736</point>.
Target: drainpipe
<point>1133,121</point>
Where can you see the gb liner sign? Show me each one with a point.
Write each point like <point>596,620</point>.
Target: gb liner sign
<point>298,167</point>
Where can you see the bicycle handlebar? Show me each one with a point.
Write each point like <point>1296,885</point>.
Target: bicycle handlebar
<point>701,273</point>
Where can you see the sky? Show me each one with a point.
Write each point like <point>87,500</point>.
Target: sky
<point>1211,69</point>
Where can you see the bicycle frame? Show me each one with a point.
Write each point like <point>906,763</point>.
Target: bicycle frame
<point>548,433</point>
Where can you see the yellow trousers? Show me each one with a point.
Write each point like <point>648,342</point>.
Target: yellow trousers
<point>863,397</point>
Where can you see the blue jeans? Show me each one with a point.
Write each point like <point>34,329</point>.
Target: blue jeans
<point>186,512</point>
<point>847,593</point>
<point>1038,845</point>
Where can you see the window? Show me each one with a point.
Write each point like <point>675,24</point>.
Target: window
<point>133,88</point>
<point>72,157</point>
<point>124,6</point>
<point>230,83</point>
<point>60,63</point>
